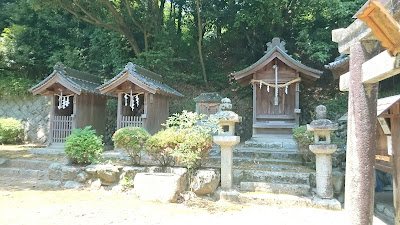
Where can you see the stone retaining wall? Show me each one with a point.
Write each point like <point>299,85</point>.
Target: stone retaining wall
<point>34,111</point>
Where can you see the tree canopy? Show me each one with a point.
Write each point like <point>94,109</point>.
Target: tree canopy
<point>196,42</point>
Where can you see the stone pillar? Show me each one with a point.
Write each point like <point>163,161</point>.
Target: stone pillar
<point>323,150</point>
<point>226,143</point>
<point>361,143</point>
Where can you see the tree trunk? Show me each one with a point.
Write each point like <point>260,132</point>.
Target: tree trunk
<point>179,28</point>
<point>200,30</point>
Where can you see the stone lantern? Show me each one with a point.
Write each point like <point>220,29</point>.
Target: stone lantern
<point>323,150</point>
<point>226,140</point>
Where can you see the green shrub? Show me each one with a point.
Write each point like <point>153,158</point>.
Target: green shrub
<point>158,145</point>
<point>84,146</point>
<point>304,138</point>
<point>187,139</point>
<point>132,140</point>
<point>11,131</point>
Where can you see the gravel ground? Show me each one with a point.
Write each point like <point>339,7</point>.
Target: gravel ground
<point>32,202</point>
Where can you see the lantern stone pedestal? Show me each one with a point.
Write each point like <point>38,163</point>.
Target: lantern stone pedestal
<point>226,139</point>
<point>226,143</point>
<point>323,150</point>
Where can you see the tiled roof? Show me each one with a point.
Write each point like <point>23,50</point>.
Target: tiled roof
<point>339,61</point>
<point>78,79</point>
<point>146,77</point>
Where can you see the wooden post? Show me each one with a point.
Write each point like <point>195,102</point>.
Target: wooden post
<point>119,110</point>
<point>395,130</point>
<point>254,106</point>
<point>74,113</point>
<point>52,108</point>
<point>361,143</point>
<point>297,102</point>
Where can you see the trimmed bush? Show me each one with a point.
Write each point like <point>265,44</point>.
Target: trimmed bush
<point>158,146</point>
<point>304,138</point>
<point>187,139</point>
<point>11,131</point>
<point>132,140</point>
<point>84,146</point>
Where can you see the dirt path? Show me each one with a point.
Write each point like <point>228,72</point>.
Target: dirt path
<point>30,202</point>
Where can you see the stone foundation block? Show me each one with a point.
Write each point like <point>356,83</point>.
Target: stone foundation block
<point>159,187</point>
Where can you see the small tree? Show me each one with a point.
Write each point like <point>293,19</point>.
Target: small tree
<point>132,140</point>
<point>83,145</point>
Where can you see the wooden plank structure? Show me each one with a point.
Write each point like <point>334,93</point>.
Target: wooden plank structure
<point>75,102</point>
<point>386,111</point>
<point>143,98</point>
<point>275,80</point>
<point>369,65</point>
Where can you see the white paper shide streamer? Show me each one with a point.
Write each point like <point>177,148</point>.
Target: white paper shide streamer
<point>63,101</point>
<point>133,100</point>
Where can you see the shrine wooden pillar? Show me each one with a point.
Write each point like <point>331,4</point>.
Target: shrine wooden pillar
<point>119,110</point>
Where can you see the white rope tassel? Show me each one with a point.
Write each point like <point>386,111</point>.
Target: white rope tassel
<point>137,100</point>
<point>268,88</point>
<point>60,100</point>
<point>63,101</point>
<point>132,101</point>
<point>126,99</point>
<point>286,89</point>
<point>260,85</point>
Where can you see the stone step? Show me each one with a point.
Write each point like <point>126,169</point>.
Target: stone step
<point>27,164</point>
<point>289,201</point>
<point>266,153</point>
<point>251,175</point>
<point>24,173</point>
<point>257,161</point>
<point>276,188</point>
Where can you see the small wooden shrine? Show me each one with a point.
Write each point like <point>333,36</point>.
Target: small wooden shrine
<point>387,108</point>
<point>143,99</point>
<point>208,103</point>
<point>275,80</point>
<point>75,102</point>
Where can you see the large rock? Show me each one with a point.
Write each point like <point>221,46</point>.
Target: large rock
<point>159,187</point>
<point>96,185</point>
<point>108,174</point>
<point>69,173</point>
<point>72,184</point>
<point>82,177</point>
<point>55,171</point>
<point>204,182</point>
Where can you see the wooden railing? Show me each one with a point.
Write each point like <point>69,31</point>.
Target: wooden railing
<point>61,128</point>
<point>131,121</point>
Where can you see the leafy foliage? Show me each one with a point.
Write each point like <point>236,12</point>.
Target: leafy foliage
<point>186,138</point>
<point>132,140</point>
<point>304,138</point>
<point>83,145</point>
<point>163,37</point>
<point>11,131</point>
